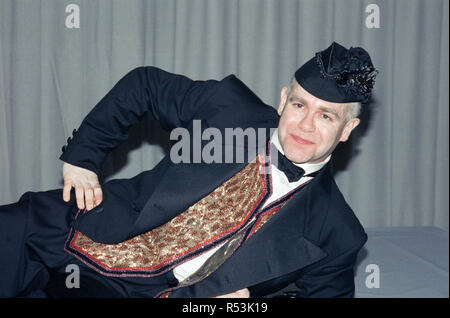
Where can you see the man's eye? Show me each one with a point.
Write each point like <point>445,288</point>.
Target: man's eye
<point>298,105</point>
<point>325,116</point>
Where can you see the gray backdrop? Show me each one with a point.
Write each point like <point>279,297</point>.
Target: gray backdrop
<point>393,171</point>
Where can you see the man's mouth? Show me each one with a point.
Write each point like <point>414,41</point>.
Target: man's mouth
<point>301,141</point>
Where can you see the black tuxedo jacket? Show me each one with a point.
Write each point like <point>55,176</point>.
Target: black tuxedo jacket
<point>312,241</point>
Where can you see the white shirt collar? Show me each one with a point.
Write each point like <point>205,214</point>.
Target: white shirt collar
<point>308,167</point>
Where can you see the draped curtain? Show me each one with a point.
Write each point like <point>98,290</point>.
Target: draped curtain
<point>394,169</point>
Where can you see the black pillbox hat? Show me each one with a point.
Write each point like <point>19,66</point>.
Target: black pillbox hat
<point>339,75</point>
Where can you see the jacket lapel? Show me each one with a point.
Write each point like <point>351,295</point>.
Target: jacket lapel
<point>183,184</point>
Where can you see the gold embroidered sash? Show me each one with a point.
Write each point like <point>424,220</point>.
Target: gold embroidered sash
<point>212,219</point>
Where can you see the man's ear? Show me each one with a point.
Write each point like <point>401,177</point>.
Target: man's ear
<point>283,98</point>
<point>348,128</point>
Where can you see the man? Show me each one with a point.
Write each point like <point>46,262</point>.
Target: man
<point>197,229</point>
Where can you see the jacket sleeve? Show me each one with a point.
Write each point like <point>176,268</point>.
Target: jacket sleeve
<point>144,93</point>
<point>331,279</point>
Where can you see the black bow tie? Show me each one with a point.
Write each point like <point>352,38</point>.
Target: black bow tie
<point>292,172</point>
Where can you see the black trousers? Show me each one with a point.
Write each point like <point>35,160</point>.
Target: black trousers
<point>33,262</point>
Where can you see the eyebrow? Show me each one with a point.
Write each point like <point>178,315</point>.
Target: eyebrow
<point>296,99</point>
<point>331,111</point>
<point>322,108</point>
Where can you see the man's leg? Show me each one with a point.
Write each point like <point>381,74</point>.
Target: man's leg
<point>33,262</point>
<point>32,235</point>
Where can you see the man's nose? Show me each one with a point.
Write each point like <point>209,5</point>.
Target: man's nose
<point>307,123</point>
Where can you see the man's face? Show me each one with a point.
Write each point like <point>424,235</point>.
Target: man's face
<point>311,128</point>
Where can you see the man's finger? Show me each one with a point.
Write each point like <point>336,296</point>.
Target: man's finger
<point>66,191</point>
<point>242,293</point>
<point>98,194</point>
<point>79,192</point>
<point>89,197</point>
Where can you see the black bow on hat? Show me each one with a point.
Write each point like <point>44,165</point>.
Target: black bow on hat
<point>339,75</point>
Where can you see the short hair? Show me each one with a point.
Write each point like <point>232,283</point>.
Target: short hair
<point>353,109</point>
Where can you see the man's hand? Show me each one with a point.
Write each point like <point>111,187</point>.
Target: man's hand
<point>87,188</point>
<point>242,293</point>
